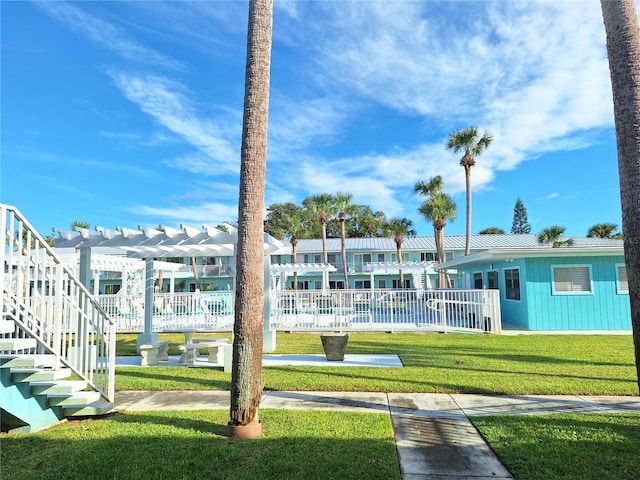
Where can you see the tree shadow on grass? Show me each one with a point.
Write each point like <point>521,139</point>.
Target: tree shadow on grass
<point>176,445</point>
<point>166,376</point>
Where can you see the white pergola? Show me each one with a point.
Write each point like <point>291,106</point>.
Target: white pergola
<point>148,243</point>
<point>119,263</point>
<point>280,272</point>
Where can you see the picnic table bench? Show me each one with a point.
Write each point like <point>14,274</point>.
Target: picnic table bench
<point>152,353</point>
<point>215,346</point>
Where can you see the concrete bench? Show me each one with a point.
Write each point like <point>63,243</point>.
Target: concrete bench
<point>215,346</point>
<point>152,353</point>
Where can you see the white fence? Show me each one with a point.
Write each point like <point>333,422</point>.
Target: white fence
<point>387,310</point>
<point>317,310</point>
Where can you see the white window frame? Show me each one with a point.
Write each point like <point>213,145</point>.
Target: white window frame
<point>571,292</point>
<point>506,286</point>
<point>619,289</point>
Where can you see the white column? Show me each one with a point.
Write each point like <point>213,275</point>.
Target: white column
<point>148,336</point>
<point>269,340</point>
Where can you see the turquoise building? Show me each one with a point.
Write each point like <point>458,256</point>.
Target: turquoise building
<point>576,288</point>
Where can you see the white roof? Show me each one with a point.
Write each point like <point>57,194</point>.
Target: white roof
<point>165,242</point>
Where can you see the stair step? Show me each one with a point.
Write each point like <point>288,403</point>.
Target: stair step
<point>7,326</point>
<point>96,408</point>
<point>61,386</point>
<point>39,375</point>
<point>11,344</point>
<point>27,361</point>
<point>77,399</point>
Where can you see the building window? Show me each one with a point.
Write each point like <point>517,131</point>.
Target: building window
<point>477,280</point>
<point>621,278</point>
<point>382,284</point>
<point>571,280</point>
<point>111,289</point>
<point>427,256</point>
<point>512,283</point>
<point>276,259</point>
<point>381,258</point>
<point>492,280</point>
<point>397,284</point>
<point>448,256</point>
<point>363,284</point>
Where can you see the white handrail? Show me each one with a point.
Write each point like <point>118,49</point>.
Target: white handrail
<point>49,303</point>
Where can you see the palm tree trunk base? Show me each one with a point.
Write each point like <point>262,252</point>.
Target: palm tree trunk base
<point>247,432</point>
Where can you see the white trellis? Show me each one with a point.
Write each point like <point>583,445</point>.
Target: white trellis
<point>164,242</point>
<point>280,272</point>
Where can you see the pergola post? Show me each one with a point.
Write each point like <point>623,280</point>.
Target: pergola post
<point>269,340</point>
<point>148,336</point>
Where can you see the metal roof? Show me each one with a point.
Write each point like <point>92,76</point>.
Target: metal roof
<point>427,244</point>
<point>613,247</point>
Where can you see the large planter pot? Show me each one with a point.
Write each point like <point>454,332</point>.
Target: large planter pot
<point>248,432</point>
<point>334,345</point>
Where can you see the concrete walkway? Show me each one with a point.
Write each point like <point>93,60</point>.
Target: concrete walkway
<point>434,437</point>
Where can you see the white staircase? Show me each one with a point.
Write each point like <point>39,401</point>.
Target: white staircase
<point>57,345</point>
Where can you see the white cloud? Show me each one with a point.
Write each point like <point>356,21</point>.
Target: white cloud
<point>106,34</point>
<point>519,69</point>
<point>167,102</point>
<point>208,213</point>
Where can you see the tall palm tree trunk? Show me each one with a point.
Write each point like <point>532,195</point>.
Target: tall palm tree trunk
<point>399,253</point>
<point>623,48</point>
<point>294,256</point>
<point>246,374</point>
<point>325,255</point>
<point>343,241</point>
<point>467,243</point>
<point>438,234</point>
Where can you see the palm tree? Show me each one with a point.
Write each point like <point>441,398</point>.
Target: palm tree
<point>553,235</point>
<point>295,229</point>
<point>468,141</point>
<point>603,230</point>
<point>492,231</point>
<point>344,207</point>
<point>623,48</point>
<point>79,224</point>
<point>400,228</point>
<point>437,208</point>
<point>246,372</point>
<point>323,205</point>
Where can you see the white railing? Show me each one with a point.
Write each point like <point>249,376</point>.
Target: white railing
<point>48,303</point>
<point>386,310</point>
<point>211,310</point>
<point>305,310</point>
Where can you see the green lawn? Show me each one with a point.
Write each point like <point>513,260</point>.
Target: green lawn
<point>349,445</point>
<point>454,363</point>
<point>192,444</point>
<point>565,447</point>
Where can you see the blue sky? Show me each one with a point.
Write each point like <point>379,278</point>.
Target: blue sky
<point>130,113</point>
